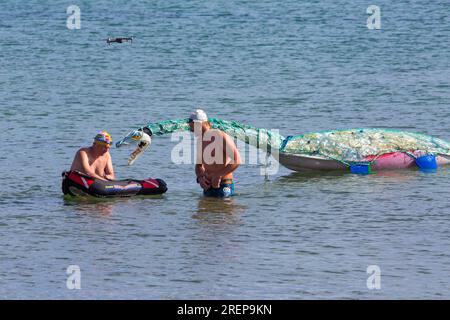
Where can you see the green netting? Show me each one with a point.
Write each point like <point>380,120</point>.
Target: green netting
<point>346,146</point>
<point>357,145</point>
<point>267,140</point>
<point>168,126</point>
<point>260,138</point>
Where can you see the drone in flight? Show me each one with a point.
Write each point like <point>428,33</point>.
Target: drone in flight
<point>119,40</point>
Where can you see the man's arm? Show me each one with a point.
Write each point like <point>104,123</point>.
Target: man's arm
<point>109,170</point>
<point>85,165</point>
<point>199,170</point>
<point>230,152</point>
<point>201,178</point>
<point>229,168</point>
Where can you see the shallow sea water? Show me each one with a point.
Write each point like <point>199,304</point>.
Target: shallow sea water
<point>293,66</point>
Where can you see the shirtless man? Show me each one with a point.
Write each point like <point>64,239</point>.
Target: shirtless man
<point>95,161</point>
<point>219,157</point>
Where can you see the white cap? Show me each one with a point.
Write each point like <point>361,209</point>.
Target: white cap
<point>198,116</point>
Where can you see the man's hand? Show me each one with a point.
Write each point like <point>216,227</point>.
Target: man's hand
<point>204,182</point>
<point>215,182</point>
<point>109,177</point>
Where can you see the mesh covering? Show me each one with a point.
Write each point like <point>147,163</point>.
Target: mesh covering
<point>260,138</point>
<point>345,146</point>
<point>357,145</point>
<point>168,126</point>
<point>267,140</point>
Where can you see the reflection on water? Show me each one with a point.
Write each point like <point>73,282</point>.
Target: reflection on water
<point>309,175</point>
<point>398,175</point>
<point>91,206</point>
<point>218,211</point>
<point>321,176</point>
<point>103,206</point>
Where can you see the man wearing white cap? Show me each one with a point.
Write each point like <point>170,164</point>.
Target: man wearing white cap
<point>217,159</point>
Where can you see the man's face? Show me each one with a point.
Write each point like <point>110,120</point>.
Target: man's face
<point>197,127</point>
<point>101,148</point>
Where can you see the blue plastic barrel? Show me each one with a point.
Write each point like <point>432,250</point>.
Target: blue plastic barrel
<point>361,168</point>
<point>427,162</point>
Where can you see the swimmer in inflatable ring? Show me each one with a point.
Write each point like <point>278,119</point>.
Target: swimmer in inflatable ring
<point>95,161</point>
<point>218,159</point>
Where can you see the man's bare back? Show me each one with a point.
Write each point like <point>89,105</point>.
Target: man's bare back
<point>217,159</point>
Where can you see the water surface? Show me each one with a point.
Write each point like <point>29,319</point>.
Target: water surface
<point>293,66</point>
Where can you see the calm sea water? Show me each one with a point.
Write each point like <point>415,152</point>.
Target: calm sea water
<point>297,66</point>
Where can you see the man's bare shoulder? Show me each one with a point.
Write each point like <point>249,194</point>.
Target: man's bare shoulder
<point>83,151</point>
<point>219,133</point>
<point>226,136</point>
